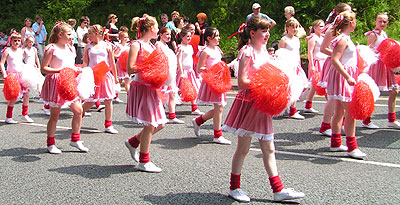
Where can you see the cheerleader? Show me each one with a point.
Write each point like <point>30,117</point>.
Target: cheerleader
<point>96,52</point>
<point>143,106</point>
<point>246,121</point>
<point>13,55</point>
<point>60,54</point>
<point>185,65</point>
<point>210,55</point>
<point>171,89</point>
<point>384,77</point>
<point>292,44</point>
<point>315,58</point>
<point>325,128</point>
<point>123,47</point>
<point>341,81</point>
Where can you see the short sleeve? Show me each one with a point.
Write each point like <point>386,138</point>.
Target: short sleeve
<point>266,17</point>
<point>337,40</point>
<point>246,51</point>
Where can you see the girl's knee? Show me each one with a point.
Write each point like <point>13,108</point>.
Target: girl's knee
<point>161,126</point>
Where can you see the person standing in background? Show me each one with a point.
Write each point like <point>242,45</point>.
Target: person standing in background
<point>40,35</point>
<point>256,12</point>
<point>80,32</point>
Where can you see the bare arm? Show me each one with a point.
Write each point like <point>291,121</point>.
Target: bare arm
<point>23,34</point>
<point>311,46</point>
<point>201,65</point>
<point>85,57</point>
<point>371,38</point>
<point>37,62</point>
<point>132,56</point>
<point>179,59</point>
<point>327,41</point>
<point>48,55</point>
<point>336,55</point>
<point>2,62</point>
<point>243,80</point>
<point>282,43</point>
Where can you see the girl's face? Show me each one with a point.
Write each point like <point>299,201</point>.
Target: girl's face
<point>154,30</point>
<point>92,36</point>
<point>319,27</point>
<point>381,22</point>
<point>288,15</point>
<point>200,20</point>
<point>187,38</point>
<point>292,30</point>
<point>214,41</point>
<point>192,29</point>
<point>124,38</point>
<point>166,37</point>
<point>29,43</point>
<point>260,36</point>
<point>28,23</point>
<point>16,43</point>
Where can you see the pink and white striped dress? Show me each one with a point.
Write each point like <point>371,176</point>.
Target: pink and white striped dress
<point>206,95</point>
<point>144,105</point>
<point>338,88</point>
<point>318,57</point>
<point>121,73</point>
<point>244,119</point>
<point>187,66</point>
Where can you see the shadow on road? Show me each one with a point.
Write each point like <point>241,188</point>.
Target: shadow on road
<point>93,171</point>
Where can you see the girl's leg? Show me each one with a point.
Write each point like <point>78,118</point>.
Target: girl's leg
<point>127,85</point>
<point>392,122</point>
<point>25,108</point>
<point>217,120</point>
<point>51,130</point>
<point>329,109</point>
<point>310,97</point>
<point>337,121</point>
<point>171,107</point>
<point>108,122</point>
<point>293,113</point>
<point>350,130</point>
<point>9,113</point>
<point>144,157</point>
<point>87,105</point>
<point>76,142</point>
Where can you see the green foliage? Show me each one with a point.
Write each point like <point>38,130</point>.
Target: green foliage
<point>226,15</point>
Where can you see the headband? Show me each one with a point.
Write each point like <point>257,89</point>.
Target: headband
<point>330,14</point>
<point>241,27</point>
<point>58,23</point>
<point>338,20</point>
<point>140,25</point>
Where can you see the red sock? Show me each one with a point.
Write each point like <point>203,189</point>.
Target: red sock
<point>324,127</point>
<point>308,104</point>
<point>116,95</point>
<point>46,106</point>
<point>293,111</point>
<point>25,110</point>
<point>367,120</point>
<point>9,111</point>
<point>336,140</point>
<point>144,157</point>
<point>98,103</point>
<point>217,134</point>
<point>134,142</point>
<point>276,184</point>
<point>343,121</point>
<point>392,116</point>
<point>194,107</point>
<point>351,143</point>
<point>235,181</point>
<point>171,115</point>
<point>51,141</point>
<point>200,120</point>
<point>75,137</point>
<point>107,123</point>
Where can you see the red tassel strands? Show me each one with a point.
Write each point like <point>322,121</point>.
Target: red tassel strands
<point>188,91</point>
<point>362,102</point>
<point>123,60</point>
<point>315,79</point>
<point>99,72</point>
<point>154,69</point>
<point>270,89</point>
<point>390,53</point>
<point>218,77</point>
<point>66,84</point>
<point>12,88</point>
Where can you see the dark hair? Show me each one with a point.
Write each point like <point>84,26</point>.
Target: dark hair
<point>210,32</point>
<point>340,7</point>
<point>348,16</point>
<point>164,29</point>
<point>253,24</point>
<point>177,21</point>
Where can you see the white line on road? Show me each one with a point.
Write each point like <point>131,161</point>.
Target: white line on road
<point>383,164</point>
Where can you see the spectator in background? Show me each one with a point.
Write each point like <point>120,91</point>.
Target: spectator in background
<point>3,41</point>
<point>164,20</point>
<point>27,30</point>
<point>170,24</point>
<point>80,32</point>
<point>201,26</point>
<point>289,14</point>
<point>111,31</point>
<point>256,12</point>
<point>72,23</point>
<point>40,35</point>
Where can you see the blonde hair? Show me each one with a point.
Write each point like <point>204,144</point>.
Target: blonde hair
<point>97,29</point>
<point>14,35</point>
<point>29,38</point>
<point>175,13</point>
<point>291,22</point>
<point>290,10</point>
<point>72,22</point>
<point>110,17</point>
<point>59,27</point>
<point>123,34</point>
<point>343,20</point>
<point>143,24</point>
<point>315,24</point>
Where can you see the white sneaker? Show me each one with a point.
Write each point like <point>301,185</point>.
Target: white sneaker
<point>118,100</point>
<point>297,116</point>
<point>100,108</point>
<point>26,118</point>
<point>111,130</point>
<point>371,125</point>
<point>311,110</point>
<point>148,167</point>
<point>46,111</point>
<point>133,151</point>
<point>239,195</point>
<point>196,127</point>
<point>287,194</point>
<point>10,121</point>
<point>175,121</point>
<point>394,124</point>
<point>53,150</point>
<point>327,132</point>
<point>221,140</point>
<point>88,114</point>
<point>356,154</point>
<point>342,148</point>
<point>79,145</point>
<point>197,112</point>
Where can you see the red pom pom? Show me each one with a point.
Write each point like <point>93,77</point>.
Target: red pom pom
<point>99,72</point>
<point>218,77</point>
<point>12,88</point>
<point>315,79</point>
<point>397,79</point>
<point>123,60</point>
<point>66,84</point>
<point>361,65</point>
<point>390,53</point>
<point>270,89</point>
<point>362,103</point>
<point>188,91</point>
<point>194,42</point>
<point>154,69</point>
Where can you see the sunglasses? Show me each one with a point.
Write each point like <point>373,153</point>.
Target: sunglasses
<point>17,40</point>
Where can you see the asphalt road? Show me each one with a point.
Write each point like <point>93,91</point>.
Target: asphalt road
<point>195,171</point>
